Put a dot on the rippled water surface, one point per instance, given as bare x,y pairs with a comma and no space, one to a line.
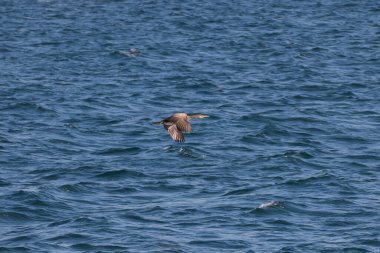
287,162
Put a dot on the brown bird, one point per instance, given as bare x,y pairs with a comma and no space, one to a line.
178,123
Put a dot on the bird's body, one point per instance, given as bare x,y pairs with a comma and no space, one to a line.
178,123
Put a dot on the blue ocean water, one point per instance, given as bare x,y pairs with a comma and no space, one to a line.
289,160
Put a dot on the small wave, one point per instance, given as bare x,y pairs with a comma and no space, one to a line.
222,244
270,129
29,106
293,155
98,247
309,180
69,236
14,216
167,187
59,223
15,249
120,174
61,141
74,188
124,190
271,204
4,183
83,246
119,151
4,140
301,154
131,53
240,191
5,50
139,218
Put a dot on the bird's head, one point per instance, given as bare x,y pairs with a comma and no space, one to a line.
199,116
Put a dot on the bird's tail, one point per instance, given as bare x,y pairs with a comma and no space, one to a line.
157,123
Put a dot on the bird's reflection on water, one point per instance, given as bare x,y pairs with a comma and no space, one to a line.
185,151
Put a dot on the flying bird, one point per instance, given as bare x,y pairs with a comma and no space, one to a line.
178,123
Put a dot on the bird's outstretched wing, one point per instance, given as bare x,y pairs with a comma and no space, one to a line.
175,133
183,125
